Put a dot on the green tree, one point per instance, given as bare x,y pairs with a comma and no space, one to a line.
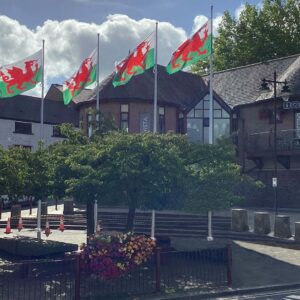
15,172
59,153
259,34
37,180
137,171
216,179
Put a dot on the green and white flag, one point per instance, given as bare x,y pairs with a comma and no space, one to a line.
21,76
137,62
85,76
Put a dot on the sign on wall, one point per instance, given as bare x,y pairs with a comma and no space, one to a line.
291,105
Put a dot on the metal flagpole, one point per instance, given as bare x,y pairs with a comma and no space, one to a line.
211,112
39,230
42,96
98,55
155,84
211,103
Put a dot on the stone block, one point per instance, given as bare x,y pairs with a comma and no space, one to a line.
297,232
282,226
239,220
68,206
262,224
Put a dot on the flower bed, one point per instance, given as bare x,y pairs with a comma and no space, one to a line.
111,256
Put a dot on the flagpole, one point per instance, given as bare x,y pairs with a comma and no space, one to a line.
98,56
42,95
155,84
211,103
211,113
39,230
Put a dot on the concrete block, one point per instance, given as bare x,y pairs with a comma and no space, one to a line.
282,226
239,220
262,224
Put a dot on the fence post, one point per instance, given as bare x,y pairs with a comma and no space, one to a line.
229,264
77,278
157,270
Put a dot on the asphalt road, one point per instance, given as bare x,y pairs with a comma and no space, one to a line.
279,295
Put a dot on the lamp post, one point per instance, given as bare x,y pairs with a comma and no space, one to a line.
285,96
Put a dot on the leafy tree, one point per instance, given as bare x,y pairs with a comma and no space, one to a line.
139,171
37,179
216,179
59,170
15,173
259,34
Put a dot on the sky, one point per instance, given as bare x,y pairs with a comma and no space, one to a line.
70,27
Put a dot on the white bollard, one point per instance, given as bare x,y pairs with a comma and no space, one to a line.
39,229
153,225
209,219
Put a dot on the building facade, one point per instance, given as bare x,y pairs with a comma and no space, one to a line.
253,126
20,121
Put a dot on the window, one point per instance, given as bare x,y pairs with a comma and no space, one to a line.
23,128
198,122
124,122
57,132
161,120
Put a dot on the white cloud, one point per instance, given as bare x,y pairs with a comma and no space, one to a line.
201,19
238,11
68,42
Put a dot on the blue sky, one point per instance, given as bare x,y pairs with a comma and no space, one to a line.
180,13
70,27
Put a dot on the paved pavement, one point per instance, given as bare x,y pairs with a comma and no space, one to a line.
68,236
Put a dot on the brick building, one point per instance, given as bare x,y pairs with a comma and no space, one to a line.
183,105
253,125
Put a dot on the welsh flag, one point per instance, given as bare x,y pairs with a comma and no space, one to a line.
137,62
21,76
198,47
85,76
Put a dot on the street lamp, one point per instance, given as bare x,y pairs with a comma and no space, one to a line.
285,93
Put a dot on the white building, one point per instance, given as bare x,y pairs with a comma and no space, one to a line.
20,121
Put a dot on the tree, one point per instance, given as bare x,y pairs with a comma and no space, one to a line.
15,166
258,34
59,170
216,178
139,171
38,175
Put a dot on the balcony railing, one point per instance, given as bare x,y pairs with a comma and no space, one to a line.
288,142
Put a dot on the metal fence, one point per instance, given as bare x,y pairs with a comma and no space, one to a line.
166,271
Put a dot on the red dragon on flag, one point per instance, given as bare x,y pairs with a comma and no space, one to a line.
198,47
21,76
85,76
137,62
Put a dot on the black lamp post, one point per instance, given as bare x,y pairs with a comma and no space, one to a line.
284,95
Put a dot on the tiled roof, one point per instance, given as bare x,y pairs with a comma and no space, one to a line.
180,89
242,85
55,93
27,108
